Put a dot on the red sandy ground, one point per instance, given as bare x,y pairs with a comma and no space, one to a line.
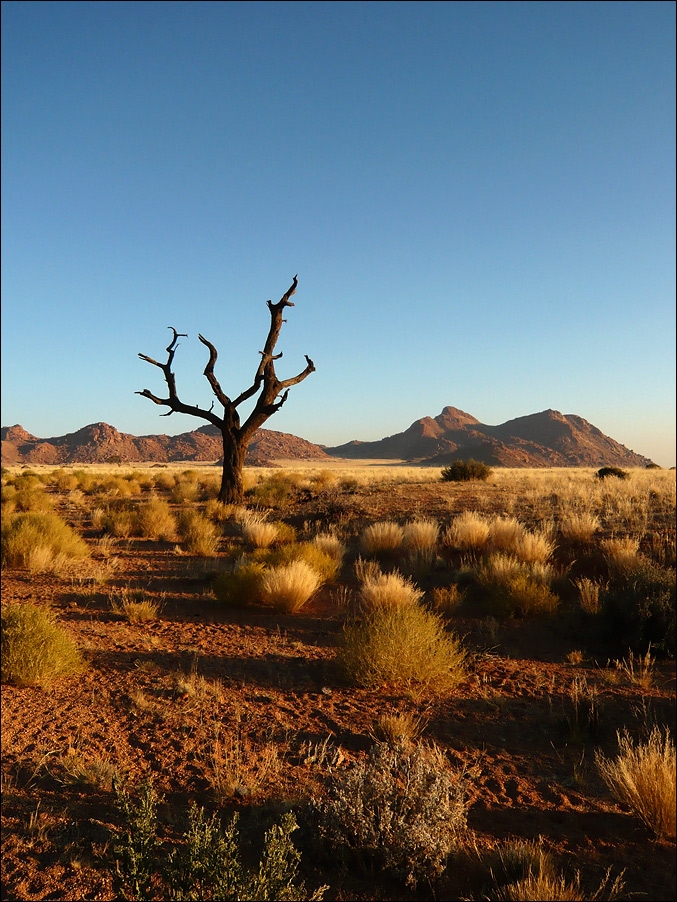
279,688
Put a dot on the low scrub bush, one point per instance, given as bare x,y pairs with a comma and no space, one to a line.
241,586
288,587
403,645
35,649
465,471
638,608
274,491
38,540
611,472
642,776
402,809
207,863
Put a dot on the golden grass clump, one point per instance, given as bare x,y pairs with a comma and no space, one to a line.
469,531
257,532
504,533
198,534
38,541
388,590
393,728
405,645
330,544
35,649
288,587
324,564
156,520
579,527
386,537
589,591
642,776
510,587
620,552
534,547
134,606
421,536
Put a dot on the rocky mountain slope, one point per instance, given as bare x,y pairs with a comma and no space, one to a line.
546,439
100,442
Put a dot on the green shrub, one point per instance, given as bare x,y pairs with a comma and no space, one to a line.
35,650
156,520
241,586
614,472
466,470
37,540
207,863
403,645
198,534
638,608
402,809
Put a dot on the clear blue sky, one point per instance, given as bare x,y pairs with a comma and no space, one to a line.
478,198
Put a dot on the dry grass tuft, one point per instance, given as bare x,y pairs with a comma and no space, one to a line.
386,538
421,536
579,527
642,776
589,591
388,590
288,587
469,532
35,649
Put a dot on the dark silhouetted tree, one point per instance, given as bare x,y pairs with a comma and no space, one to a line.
272,393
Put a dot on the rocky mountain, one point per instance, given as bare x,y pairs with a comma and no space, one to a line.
546,439
99,442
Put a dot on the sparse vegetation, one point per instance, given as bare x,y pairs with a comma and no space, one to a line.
562,610
35,649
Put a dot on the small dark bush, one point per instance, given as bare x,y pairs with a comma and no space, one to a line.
465,470
638,609
616,472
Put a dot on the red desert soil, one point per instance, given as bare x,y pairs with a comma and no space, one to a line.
156,696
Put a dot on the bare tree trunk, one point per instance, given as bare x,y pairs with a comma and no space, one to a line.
232,485
272,393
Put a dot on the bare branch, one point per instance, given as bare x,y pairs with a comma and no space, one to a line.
310,368
209,373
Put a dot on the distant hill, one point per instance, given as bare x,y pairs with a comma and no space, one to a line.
99,442
546,439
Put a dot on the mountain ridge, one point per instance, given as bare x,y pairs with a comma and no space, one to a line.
544,439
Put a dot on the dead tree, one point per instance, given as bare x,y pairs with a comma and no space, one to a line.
272,393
